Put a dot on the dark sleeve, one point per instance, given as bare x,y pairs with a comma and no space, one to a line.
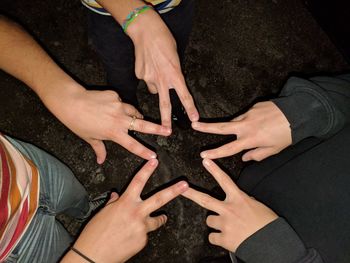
318,107
277,242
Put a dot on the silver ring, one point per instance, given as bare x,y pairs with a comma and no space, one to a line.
132,123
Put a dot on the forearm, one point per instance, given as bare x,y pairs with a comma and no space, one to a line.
144,23
23,58
338,91
318,107
120,9
275,243
71,257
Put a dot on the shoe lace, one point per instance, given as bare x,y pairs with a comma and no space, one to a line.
97,202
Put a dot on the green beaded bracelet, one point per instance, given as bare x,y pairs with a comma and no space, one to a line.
133,14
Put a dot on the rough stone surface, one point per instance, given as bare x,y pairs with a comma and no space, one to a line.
240,50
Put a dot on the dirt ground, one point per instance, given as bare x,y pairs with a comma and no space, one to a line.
240,51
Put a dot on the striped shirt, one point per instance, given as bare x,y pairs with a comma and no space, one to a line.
162,6
19,184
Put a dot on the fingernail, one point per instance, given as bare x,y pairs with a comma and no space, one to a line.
194,116
195,125
182,185
204,154
165,218
167,130
153,162
207,162
153,156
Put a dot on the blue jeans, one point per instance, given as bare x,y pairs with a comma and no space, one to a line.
46,240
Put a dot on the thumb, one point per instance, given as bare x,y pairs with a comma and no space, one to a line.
258,154
99,149
153,223
114,197
152,88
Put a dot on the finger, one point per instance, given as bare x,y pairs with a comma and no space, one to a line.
213,222
140,179
163,197
153,223
152,88
151,128
224,128
135,147
99,149
165,107
215,238
258,154
204,200
226,150
186,99
132,111
114,197
239,118
225,182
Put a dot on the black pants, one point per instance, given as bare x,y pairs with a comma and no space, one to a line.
309,185
117,50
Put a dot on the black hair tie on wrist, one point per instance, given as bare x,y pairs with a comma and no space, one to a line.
82,255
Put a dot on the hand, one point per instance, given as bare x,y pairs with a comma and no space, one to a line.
264,129
100,115
120,229
157,63
239,215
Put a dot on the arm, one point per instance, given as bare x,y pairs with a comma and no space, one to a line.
157,61
318,107
119,230
249,228
276,242
92,115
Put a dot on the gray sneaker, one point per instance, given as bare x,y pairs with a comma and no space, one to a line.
95,204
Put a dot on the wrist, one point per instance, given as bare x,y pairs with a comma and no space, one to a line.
60,97
120,9
59,90
93,252
133,15
144,26
271,243
71,256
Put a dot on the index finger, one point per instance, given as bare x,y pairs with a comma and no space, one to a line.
228,149
151,128
163,197
225,182
204,200
165,107
224,128
140,179
135,147
186,99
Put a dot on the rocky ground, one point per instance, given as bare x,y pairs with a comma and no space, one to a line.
240,51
